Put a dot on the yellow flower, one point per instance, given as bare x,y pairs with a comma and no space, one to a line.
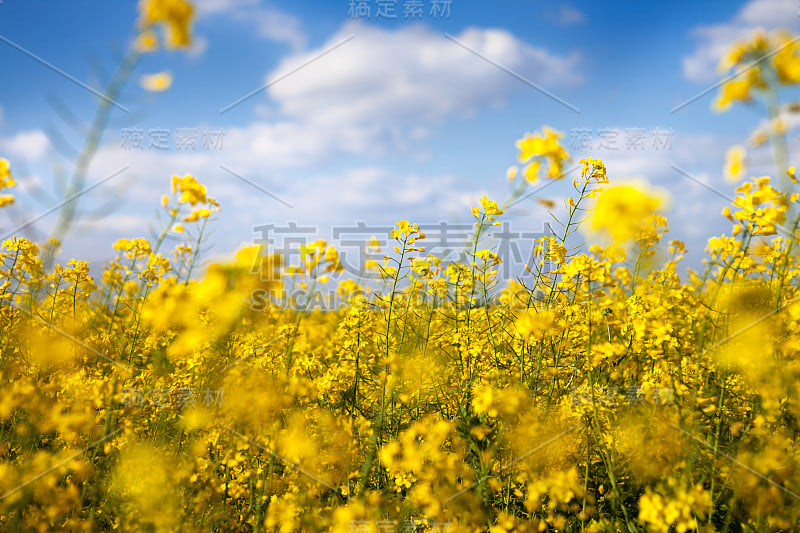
158,82
539,144
191,191
490,206
175,14
147,41
6,180
620,210
511,173
197,214
732,91
758,138
761,207
5,174
546,145
483,400
787,61
792,176
732,58
597,167
532,171
735,163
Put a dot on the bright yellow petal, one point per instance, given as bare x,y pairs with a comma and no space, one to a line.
158,82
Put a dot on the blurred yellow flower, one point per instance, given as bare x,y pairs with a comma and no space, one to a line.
621,209
732,91
158,82
175,14
6,180
735,163
532,172
197,214
511,173
147,41
539,144
787,60
546,145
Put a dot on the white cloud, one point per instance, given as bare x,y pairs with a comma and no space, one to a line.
714,40
130,224
319,141
386,91
375,194
213,7
277,26
410,77
198,47
30,146
768,13
270,23
317,195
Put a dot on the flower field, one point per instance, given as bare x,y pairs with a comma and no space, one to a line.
609,388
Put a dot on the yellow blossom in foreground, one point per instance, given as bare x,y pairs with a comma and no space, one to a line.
762,208
732,91
619,210
601,391
661,513
787,59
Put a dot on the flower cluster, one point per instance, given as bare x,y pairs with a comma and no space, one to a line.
174,15
762,209
6,181
621,210
537,149
436,395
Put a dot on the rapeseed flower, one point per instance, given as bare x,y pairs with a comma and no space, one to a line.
176,15
6,181
158,82
620,209
735,164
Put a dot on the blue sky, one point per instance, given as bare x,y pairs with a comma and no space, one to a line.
404,120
